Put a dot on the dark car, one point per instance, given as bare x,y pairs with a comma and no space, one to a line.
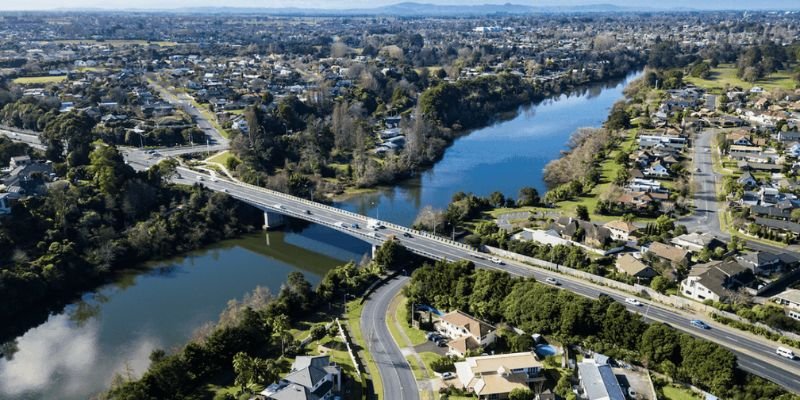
406,234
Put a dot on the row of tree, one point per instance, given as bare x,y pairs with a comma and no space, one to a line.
602,325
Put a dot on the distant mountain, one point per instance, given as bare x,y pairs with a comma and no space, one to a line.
408,9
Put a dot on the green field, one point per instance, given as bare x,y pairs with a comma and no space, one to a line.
678,393
725,75
40,80
354,309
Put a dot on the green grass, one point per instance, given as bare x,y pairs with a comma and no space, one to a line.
725,75
679,393
40,80
221,158
354,309
419,373
427,358
416,336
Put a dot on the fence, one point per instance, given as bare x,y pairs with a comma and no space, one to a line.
347,343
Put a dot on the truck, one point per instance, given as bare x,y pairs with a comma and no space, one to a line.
374,224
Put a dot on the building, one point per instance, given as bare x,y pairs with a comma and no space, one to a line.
697,241
311,378
465,332
630,265
5,203
621,230
714,280
789,298
494,377
761,262
675,255
598,381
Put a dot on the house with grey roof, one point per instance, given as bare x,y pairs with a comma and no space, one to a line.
311,378
598,381
715,280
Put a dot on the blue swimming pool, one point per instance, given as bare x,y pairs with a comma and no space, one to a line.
545,350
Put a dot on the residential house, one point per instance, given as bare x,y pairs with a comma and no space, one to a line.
715,280
495,376
598,381
657,170
5,203
466,332
311,378
675,255
761,262
697,241
789,298
632,266
587,232
621,230
747,180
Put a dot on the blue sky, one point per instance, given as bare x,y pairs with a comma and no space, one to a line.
161,4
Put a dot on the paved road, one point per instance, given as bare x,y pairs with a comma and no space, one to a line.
23,137
396,376
756,355
183,101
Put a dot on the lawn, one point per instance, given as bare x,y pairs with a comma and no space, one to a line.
40,80
679,393
354,309
415,335
221,158
725,75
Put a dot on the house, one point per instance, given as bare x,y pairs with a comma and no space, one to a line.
789,298
19,161
621,230
760,262
675,255
548,237
714,280
697,241
466,332
582,231
311,378
632,266
598,381
495,376
658,170
747,180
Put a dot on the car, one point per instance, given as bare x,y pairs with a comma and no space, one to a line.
355,226
199,178
784,352
308,212
441,343
496,261
214,179
552,281
406,234
280,206
699,324
448,375
697,170
633,302
225,190
376,235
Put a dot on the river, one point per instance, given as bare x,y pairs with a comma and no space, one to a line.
75,353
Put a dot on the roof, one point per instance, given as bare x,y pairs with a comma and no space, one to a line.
633,266
790,295
490,364
599,382
464,344
716,276
698,240
473,325
620,225
671,253
292,392
758,258
498,384
307,377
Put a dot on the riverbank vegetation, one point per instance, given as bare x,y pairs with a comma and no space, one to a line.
101,217
252,344
602,325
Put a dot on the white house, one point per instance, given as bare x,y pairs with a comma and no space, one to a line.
466,332
657,170
494,377
711,281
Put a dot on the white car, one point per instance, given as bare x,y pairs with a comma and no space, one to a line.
280,206
552,281
633,302
199,178
784,352
496,261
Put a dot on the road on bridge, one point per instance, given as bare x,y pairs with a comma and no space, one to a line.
755,354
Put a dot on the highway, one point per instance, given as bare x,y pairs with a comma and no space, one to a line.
396,376
755,354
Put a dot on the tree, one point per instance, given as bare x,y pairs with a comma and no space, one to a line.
389,254
497,199
581,212
528,196
280,326
520,394
69,133
109,169
659,343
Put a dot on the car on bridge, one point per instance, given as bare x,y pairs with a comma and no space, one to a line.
497,261
552,281
280,206
406,234
633,302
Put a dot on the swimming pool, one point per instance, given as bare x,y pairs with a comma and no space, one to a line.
545,350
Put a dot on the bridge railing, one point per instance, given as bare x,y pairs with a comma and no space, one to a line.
355,215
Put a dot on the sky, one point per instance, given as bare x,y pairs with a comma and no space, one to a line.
333,4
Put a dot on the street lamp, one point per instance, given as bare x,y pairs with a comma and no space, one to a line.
377,209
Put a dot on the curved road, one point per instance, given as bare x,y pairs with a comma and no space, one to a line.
396,376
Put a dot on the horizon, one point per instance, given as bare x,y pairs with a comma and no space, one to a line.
156,5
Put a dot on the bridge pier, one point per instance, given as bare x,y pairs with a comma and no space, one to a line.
374,250
273,220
